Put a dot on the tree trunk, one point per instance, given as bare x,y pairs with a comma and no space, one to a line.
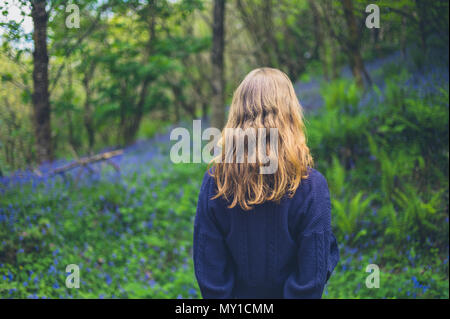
218,78
353,45
333,61
270,44
319,48
87,116
403,36
40,97
136,118
422,12
73,141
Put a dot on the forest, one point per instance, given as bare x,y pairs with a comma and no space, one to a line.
91,89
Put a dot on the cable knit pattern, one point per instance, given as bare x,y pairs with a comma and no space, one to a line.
276,250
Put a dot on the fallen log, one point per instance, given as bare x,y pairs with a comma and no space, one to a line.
89,160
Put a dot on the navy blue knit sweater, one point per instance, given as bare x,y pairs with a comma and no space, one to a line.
284,250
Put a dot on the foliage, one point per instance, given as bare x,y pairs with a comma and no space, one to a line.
137,67
131,233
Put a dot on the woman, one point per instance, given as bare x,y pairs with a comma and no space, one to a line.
264,235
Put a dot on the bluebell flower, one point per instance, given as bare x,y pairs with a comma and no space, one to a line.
108,279
416,282
192,292
51,269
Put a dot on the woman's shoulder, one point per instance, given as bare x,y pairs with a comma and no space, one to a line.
208,181
313,183
315,176
208,175
312,205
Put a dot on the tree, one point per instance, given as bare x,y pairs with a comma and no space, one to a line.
42,87
350,41
427,18
218,77
132,126
87,116
353,43
40,96
276,34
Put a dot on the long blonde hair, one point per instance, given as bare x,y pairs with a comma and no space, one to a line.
264,99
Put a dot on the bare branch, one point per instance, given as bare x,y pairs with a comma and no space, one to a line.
89,160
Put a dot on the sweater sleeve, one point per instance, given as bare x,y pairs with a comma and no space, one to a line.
212,260
317,250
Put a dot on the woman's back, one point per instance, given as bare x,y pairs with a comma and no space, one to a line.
284,250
